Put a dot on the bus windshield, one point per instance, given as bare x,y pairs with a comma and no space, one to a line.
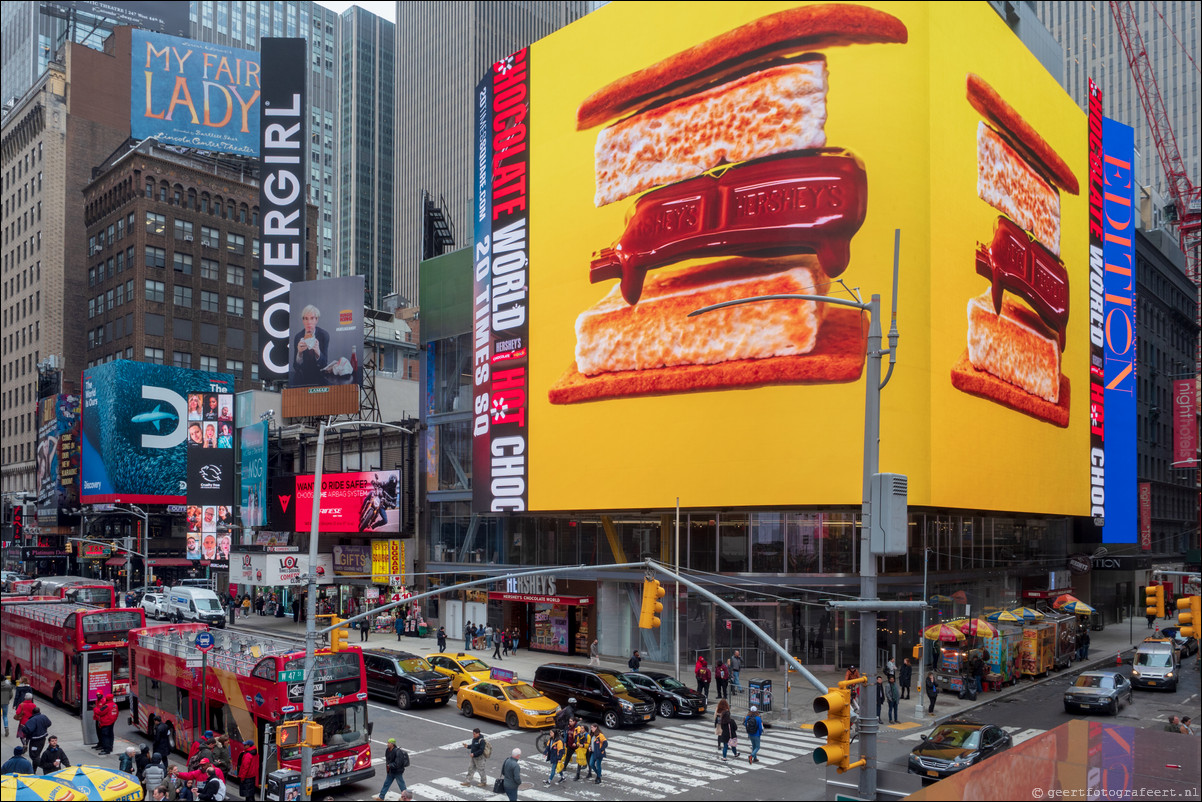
107,625
330,667
342,726
208,604
100,596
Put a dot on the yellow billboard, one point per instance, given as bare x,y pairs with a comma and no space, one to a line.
680,155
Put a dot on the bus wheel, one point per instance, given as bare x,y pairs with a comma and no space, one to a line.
57,696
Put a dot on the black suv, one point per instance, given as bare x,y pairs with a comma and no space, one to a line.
406,678
599,692
672,698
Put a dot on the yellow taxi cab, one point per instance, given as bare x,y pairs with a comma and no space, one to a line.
515,703
463,669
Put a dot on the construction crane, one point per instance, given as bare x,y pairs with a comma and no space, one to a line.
1184,193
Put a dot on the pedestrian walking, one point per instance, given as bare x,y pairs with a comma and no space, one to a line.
128,762
161,739
246,606
511,774
475,747
214,786
19,764
853,673
395,762
6,695
248,771
1174,725
578,743
515,640
892,697
635,661
905,677
260,604
594,653
932,689
978,673
702,672
155,773
1187,726
222,756
596,751
1151,620
722,675
880,695
231,608
37,729
364,628
467,635
736,665
890,667
53,757
726,730
1085,645
442,639
22,712
557,756
105,715
496,645
754,726
296,609
141,761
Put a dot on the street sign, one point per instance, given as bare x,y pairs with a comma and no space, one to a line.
297,675
298,691
194,662
204,641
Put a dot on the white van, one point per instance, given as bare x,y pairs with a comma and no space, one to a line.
193,604
1156,665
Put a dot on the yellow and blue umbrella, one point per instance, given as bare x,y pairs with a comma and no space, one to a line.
99,783
1076,608
1004,617
942,632
976,626
32,788
1027,614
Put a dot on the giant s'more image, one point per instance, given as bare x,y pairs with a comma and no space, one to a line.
739,195
1017,328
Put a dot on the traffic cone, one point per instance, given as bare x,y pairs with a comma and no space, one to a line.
1118,659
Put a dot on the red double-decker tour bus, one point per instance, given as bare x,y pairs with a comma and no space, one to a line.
63,647
75,588
251,683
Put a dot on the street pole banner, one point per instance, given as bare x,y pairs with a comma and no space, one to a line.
1185,423
254,475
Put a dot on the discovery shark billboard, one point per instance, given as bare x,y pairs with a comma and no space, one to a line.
135,424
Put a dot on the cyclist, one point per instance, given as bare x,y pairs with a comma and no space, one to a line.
564,715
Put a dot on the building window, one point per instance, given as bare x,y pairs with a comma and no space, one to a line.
208,363
121,228
181,359
234,366
234,306
210,237
210,269
235,275
183,263
154,356
156,257
210,301
120,294
91,276
183,230
155,223
154,290
254,310
183,296
236,243
91,308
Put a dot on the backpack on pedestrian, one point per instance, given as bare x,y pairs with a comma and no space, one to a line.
749,725
487,749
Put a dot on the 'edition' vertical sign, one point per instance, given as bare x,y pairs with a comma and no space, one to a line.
1097,322
282,145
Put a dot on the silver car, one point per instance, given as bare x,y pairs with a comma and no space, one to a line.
152,603
1098,690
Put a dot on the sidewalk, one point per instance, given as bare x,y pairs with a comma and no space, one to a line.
789,710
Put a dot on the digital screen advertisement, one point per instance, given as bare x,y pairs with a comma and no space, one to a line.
253,497
327,332
351,502
653,160
211,449
57,457
195,94
135,430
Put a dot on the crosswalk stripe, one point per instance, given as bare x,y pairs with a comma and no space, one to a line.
702,741
423,791
775,734
635,754
475,792
1018,735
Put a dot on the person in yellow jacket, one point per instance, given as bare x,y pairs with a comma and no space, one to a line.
580,742
557,756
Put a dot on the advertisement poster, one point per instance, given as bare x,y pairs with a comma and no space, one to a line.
210,532
100,678
1185,423
57,457
135,429
327,332
211,450
253,497
352,560
351,502
1145,516
652,160
195,94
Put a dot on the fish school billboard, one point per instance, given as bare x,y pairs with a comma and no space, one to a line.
653,159
135,430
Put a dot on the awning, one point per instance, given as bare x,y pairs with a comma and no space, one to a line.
115,561
170,562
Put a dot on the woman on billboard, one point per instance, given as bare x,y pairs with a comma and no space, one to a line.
311,347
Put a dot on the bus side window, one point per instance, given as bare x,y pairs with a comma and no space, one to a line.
185,705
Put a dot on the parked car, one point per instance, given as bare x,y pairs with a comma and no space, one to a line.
152,603
955,745
1187,646
463,669
405,678
600,693
1156,665
672,698
515,703
1099,690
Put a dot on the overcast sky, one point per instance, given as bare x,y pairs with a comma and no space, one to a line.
381,8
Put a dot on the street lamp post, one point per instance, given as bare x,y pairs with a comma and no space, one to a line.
311,601
139,513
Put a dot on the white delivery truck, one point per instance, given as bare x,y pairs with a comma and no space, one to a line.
193,604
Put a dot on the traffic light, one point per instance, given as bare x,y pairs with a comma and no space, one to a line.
338,636
836,728
653,591
289,734
1189,615
1155,600
313,734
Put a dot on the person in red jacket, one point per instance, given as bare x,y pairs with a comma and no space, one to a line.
105,714
23,711
248,770
201,775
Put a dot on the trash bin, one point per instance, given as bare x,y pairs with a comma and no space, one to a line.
283,784
759,693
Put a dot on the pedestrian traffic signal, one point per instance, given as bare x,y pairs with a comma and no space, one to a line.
653,591
1155,599
338,636
1189,615
289,734
836,728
